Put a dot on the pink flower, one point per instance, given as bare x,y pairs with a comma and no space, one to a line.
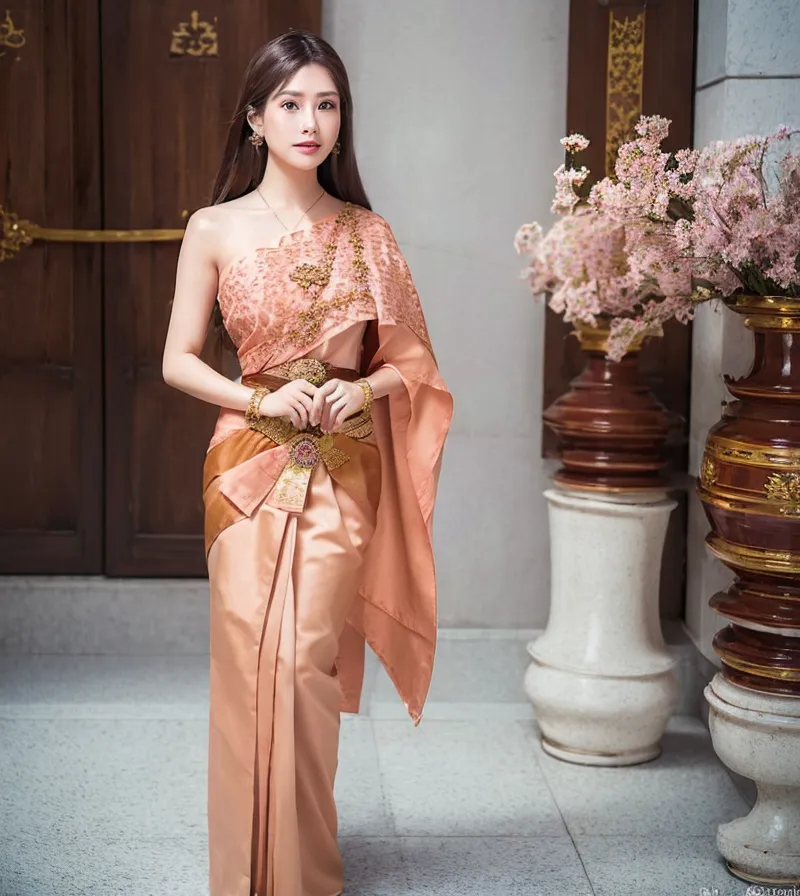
653,128
574,143
744,232
568,181
527,238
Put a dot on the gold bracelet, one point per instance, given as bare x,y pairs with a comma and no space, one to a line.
369,395
252,414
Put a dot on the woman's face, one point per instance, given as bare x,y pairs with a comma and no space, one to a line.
306,110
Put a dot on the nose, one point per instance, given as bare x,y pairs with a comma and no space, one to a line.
310,126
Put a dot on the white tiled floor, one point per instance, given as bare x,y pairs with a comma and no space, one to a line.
102,788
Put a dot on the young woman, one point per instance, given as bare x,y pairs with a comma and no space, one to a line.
321,476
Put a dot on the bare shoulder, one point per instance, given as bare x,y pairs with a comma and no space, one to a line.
206,222
216,217
210,228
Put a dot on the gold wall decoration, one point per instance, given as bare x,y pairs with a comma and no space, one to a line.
195,38
785,488
624,81
10,37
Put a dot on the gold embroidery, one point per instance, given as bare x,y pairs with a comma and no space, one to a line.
280,430
305,452
276,304
310,369
314,278
306,449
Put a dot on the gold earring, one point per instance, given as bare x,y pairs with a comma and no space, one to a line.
337,148
256,139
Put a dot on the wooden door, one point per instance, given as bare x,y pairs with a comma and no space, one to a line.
51,434
102,459
170,82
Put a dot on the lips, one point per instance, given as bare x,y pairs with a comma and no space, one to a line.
310,145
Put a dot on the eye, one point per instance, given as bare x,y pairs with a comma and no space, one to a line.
328,103
288,103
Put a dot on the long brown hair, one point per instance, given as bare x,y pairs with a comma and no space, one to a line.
243,165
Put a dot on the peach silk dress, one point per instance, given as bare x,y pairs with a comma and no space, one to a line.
316,544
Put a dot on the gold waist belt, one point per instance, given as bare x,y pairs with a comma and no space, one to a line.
306,447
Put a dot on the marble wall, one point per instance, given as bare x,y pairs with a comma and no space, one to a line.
459,108
748,81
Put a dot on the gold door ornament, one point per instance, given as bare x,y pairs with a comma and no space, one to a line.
11,37
624,81
16,233
195,38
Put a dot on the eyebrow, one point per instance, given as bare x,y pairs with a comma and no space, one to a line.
300,93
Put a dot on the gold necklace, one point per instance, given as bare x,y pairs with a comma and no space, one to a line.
263,198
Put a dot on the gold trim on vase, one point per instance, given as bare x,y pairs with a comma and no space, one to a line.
595,339
736,452
767,322
778,495
753,559
767,312
708,471
752,591
596,488
784,489
738,502
771,672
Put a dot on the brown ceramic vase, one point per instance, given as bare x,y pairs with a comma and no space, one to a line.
750,489
611,428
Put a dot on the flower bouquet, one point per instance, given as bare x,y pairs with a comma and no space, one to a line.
729,210
601,270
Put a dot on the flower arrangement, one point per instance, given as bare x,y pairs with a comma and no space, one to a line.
601,269
668,231
731,209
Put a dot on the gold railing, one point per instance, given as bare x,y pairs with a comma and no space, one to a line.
16,233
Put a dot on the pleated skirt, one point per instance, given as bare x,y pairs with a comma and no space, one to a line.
282,585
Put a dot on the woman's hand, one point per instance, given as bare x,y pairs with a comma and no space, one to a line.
294,400
334,402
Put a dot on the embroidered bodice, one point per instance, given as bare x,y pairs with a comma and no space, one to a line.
304,296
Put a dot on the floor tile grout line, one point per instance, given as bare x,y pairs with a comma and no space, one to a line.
385,801
436,835
530,733
387,808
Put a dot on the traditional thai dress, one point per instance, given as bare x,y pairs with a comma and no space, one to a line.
316,544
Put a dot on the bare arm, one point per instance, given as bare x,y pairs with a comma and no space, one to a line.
196,286
195,292
385,381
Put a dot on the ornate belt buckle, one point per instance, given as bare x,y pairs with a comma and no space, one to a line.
305,453
310,369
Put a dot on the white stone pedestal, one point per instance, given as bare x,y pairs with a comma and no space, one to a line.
602,682
758,736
